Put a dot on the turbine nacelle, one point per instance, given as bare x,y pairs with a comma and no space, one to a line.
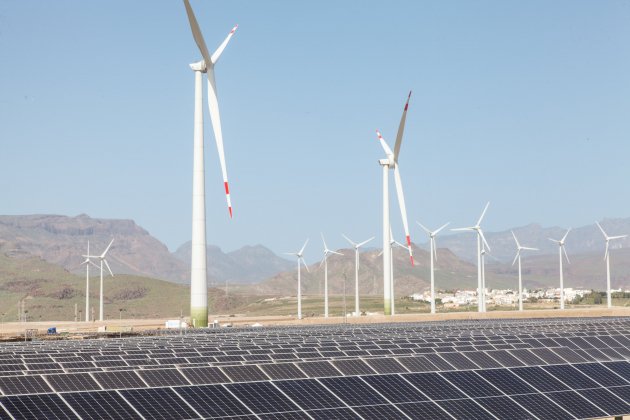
199,66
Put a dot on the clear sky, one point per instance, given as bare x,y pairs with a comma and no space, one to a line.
522,103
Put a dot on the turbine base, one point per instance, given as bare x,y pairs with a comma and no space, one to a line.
199,317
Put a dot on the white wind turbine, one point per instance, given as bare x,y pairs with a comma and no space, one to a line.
391,162
607,258
87,263
198,275
325,263
432,257
520,248
356,271
102,260
480,239
300,261
560,250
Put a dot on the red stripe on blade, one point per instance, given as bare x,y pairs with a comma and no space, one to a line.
411,256
408,240
230,209
227,189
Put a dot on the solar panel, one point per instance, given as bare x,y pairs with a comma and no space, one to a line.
335,413
388,365
547,356
353,367
119,379
571,376
417,364
262,397
575,404
622,392
439,362
212,401
163,377
11,385
465,409
606,400
542,407
506,381
395,388
72,382
380,412
504,408
353,391
205,375
158,403
282,371
244,373
539,379
38,406
424,410
600,374
434,386
318,369
620,368
309,394
569,355
505,358
471,383
100,405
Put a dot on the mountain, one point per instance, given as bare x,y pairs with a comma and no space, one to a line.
581,240
249,264
62,240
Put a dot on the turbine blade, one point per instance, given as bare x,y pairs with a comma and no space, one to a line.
515,240
324,241
380,254
483,238
335,252
386,148
617,237
349,240
304,263
107,249
403,209
434,248
219,51
463,229
323,260
401,129
424,228
215,117
364,242
303,247
483,214
516,257
565,235
530,249
565,254
194,26
554,240
440,228
600,228
95,265
607,247
107,265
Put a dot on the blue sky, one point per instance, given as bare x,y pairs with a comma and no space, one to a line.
524,104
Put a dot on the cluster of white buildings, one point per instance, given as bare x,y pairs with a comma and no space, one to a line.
502,297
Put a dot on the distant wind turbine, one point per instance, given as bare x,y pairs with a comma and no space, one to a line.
356,246
198,269
391,162
477,228
432,257
87,263
520,248
102,260
560,250
325,263
300,260
607,258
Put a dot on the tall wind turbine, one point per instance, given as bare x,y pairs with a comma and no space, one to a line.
607,258
87,263
391,162
356,271
198,279
327,252
477,228
560,250
300,261
102,260
432,257
520,248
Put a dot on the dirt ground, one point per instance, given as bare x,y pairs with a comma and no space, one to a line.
9,329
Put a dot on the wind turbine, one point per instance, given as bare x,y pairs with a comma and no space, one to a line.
607,258
356,270
392,243
325,263
560,250
520,248
300,260
198,279
87,263
432,257
391,162
102,259
480,239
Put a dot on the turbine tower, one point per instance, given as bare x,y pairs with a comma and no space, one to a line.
102,259
391,162
325,263
607,258
520,248
87,263
356,271
432,257
477,228
300,260
560,250
198,274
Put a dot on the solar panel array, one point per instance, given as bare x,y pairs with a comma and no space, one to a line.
516,369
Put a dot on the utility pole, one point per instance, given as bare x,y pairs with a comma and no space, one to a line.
75,312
